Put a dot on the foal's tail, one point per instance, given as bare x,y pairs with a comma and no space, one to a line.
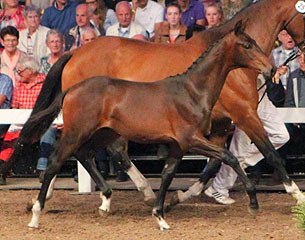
34,129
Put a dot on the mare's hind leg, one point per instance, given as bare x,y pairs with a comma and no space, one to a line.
169,170
205,147
119,151
63,149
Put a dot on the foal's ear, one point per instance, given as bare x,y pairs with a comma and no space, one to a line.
239,27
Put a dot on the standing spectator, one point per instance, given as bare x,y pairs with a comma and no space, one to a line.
281,53
192,13
55,43
32,40
231,7
295,94
61,15
24,97
172,30
10,55
147,14
213,15
102,17
125,27
11,15
72,38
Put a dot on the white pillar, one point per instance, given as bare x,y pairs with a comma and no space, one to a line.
85,183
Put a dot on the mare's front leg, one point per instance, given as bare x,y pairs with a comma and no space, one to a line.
272,124
118,150
169,170
205,147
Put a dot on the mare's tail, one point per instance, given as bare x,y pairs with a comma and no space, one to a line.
33,129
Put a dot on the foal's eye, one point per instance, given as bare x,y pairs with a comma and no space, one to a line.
247,45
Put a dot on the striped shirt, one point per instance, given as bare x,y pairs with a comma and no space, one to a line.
280,55
25,94
6,89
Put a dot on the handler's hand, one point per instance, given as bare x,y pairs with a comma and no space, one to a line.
280,71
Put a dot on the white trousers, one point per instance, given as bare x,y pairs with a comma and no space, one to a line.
245,151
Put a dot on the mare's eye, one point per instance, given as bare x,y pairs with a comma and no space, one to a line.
247,45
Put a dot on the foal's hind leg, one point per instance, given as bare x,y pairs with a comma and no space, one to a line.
85,157
205,147
62,151
119,151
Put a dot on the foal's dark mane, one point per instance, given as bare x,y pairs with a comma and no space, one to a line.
202,56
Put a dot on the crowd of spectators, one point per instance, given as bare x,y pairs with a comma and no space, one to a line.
35,34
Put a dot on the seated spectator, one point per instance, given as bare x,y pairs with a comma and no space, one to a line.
125,27
12,15
148,13
208,2
213,15
32,40
231,7
88,35
10,56
192,13
72,38
6,92
101,16
24,97
55,43
61,15
42,4
172,30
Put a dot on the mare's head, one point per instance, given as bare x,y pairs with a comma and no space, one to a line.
246,52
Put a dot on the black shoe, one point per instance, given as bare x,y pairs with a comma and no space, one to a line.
121,176
2,179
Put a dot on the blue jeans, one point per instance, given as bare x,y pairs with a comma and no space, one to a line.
46,147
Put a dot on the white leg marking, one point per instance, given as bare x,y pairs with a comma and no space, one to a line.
141,183
105,207
50,189
194,190
36,211
295,192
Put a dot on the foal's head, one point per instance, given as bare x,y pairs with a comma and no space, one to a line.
246,53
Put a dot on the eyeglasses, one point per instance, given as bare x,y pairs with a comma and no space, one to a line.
20,70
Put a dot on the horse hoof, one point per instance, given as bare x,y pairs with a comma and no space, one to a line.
253,210
103,213
32,226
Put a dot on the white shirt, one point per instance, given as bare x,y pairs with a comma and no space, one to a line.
132,30
150,15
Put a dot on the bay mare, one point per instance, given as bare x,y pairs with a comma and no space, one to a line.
179,114
133,60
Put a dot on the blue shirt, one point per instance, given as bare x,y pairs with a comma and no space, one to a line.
62,20
6,89
194,12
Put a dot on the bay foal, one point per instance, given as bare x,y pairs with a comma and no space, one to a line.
176,111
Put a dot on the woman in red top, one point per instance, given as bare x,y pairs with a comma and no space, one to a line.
12,15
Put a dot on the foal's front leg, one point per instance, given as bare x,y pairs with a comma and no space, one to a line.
205,147
169,170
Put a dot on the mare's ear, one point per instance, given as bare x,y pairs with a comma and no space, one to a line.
239,27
